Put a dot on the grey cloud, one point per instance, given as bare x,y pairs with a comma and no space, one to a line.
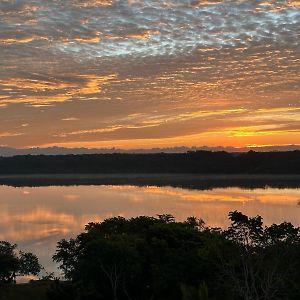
176,25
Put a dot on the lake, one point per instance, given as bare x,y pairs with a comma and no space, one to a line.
37,217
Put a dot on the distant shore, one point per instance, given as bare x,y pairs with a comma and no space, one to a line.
197,162
192,181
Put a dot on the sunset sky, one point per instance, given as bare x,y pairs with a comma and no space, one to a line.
143,74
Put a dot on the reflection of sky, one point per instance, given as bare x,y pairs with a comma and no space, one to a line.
36,218
132,73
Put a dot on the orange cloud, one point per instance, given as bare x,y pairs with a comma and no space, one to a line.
21,40
44,93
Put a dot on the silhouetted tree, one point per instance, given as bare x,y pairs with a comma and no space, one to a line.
159,258
15,263
262,258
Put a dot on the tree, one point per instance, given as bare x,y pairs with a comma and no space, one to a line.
139,258
15,263
262,259
159,258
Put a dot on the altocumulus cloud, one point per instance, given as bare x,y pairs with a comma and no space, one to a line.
103,61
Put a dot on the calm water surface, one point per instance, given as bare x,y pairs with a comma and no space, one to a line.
36,218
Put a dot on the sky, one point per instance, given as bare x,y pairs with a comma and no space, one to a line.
143,74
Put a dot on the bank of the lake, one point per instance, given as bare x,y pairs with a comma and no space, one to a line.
184,180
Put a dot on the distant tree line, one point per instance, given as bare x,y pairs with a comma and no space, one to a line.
198,162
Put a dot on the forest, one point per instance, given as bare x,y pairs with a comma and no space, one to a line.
197,162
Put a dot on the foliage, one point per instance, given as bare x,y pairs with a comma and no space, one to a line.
264,260
62,291
140,258
193,293
16,263
159,258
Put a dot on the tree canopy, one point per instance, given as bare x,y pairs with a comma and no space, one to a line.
197,162
15,263
160,258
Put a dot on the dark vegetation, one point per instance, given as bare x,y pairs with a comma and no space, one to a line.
15,263
35,290
159,258
199,162
187,181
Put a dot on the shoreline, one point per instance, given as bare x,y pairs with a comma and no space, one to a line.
190,181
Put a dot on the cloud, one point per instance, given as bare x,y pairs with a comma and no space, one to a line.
9,134
179,26
120,68
40,92
71,119
106,130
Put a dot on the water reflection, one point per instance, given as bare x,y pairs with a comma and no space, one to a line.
36,218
